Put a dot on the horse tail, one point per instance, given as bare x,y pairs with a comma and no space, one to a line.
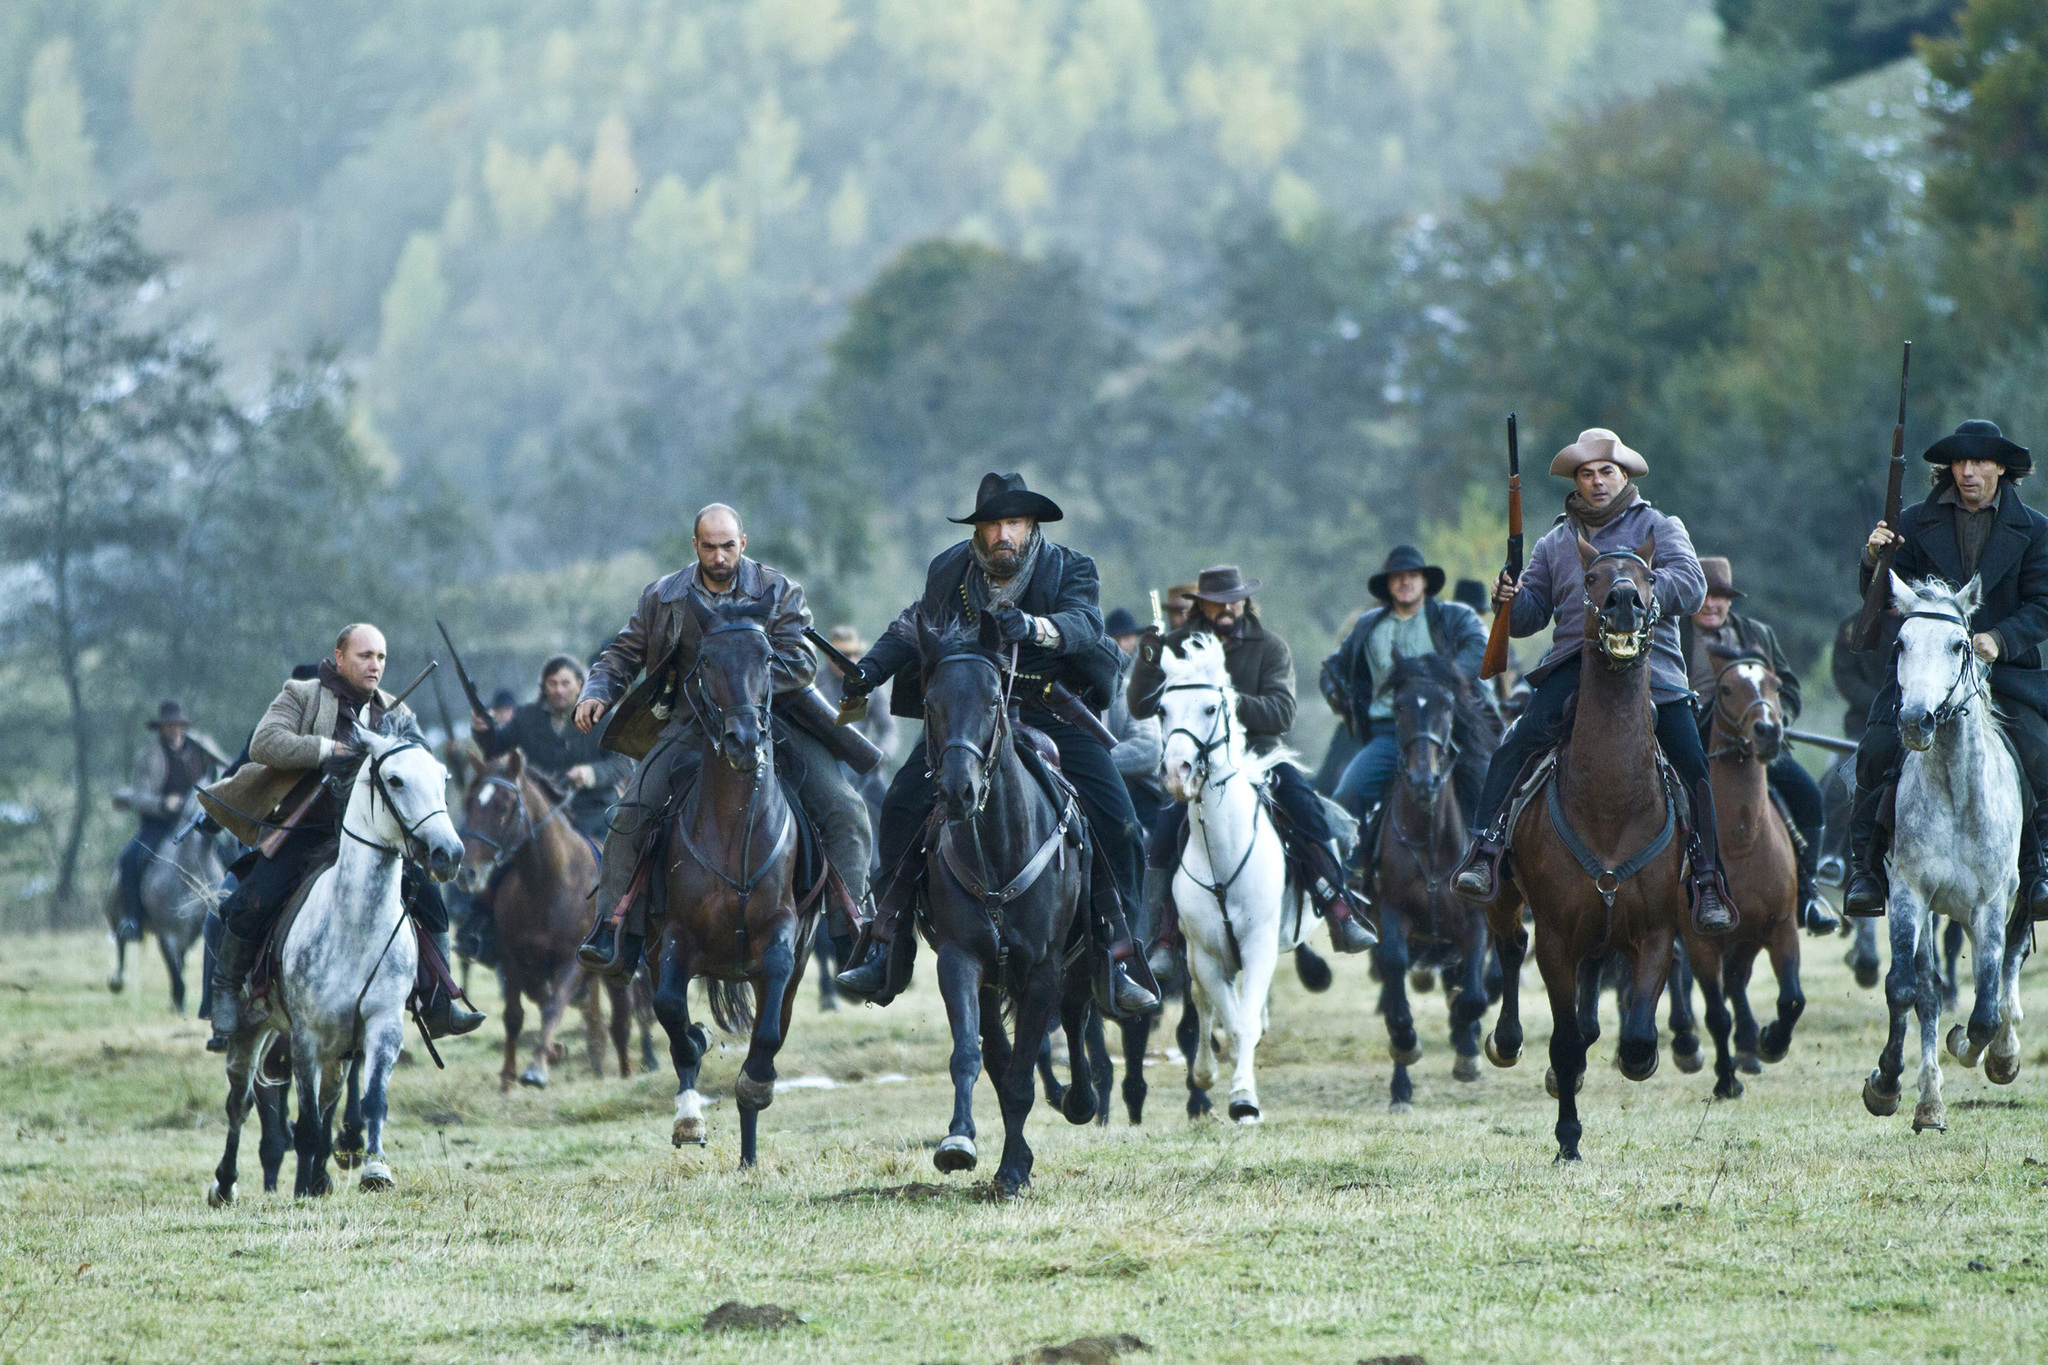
732,1005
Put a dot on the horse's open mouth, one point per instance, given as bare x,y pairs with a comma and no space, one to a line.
1621,646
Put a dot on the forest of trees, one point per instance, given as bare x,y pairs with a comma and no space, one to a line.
460,309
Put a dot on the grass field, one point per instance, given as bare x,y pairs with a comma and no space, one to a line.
561,1225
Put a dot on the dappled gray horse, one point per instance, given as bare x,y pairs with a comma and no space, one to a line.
181,883
347,962
1955,852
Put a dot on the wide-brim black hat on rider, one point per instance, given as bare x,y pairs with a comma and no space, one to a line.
1120,622
1405,559
1470,592
1002,496
1980,440
169,713
1224,583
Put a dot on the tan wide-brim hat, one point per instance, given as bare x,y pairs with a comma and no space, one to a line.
1720,577
1598,443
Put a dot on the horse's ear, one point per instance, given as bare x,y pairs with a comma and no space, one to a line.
1903,595
1971,597
706,618
515,764
927,641
1647,551
1587,554
370,741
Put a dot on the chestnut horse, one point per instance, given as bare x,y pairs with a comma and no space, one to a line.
1607,796
516,830
1746,733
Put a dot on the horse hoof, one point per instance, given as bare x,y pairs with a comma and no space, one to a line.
1930,1114
1499,1058
218,1197
1565,1154
1550,1084
2001,1070
348,1158
376,1178
1466,1068
753,1094
1877,1098
687,1133
1773,1050
1422,981
1244,1110
1867,976
1405,1056
1688,1062
1199,1105
534,1077
1959,1045
1009,1188
956,1153
1748,1065
1077,1106
115,985
1400,1107
1730,1089
1646,1072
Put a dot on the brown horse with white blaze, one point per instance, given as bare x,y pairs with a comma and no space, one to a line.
516,831
1606,804
1747,732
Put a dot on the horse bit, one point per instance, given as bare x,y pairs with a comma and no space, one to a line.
1739,743
1641,634
1951,706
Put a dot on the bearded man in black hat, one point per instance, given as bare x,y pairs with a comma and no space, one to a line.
1261,670
1973,525
1045,599
1410,621
166,770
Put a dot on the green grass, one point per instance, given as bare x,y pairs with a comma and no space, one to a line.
561,1225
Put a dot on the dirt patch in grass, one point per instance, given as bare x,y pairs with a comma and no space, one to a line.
734,1316
1084,1351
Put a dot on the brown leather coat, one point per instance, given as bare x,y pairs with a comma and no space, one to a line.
660,639
1261,669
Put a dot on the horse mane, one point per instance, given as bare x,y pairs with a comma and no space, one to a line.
1470,725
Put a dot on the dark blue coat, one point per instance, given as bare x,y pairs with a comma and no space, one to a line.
1454,632
1064,589
2014,572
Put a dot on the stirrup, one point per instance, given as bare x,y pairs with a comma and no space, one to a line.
1707,892
1478,875
1866,895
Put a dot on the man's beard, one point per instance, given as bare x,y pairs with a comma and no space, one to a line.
1221,626
1003,559
718,577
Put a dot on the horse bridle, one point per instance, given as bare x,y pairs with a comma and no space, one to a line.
1739,743
711,717
1446,743
1204,774
529,827
1205,747
1652,614
413,847
1006,681
1952,705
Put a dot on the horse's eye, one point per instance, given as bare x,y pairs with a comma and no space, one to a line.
397,781
1956,648
1726,690
1210,709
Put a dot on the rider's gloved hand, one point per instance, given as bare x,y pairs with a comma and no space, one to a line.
865,678
1150,644
1013,625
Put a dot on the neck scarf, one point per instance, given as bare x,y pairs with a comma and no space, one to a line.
984,590
354,704
1592,518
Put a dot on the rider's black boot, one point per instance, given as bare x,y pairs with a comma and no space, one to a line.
1478,877
1868,842
230,969
1814,912
445,1016
1366,857
1162,925
1713,908
2033,878
869,977
1342,908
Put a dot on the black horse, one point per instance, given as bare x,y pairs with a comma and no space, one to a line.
1006,872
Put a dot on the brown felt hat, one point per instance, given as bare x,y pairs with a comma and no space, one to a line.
1720,577
1598,443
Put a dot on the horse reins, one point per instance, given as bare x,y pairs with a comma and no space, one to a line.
410,848
1203,749
1951,706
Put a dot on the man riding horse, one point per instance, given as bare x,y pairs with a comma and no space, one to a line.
166,771
1044,599
1359,682
570,759
282,804
1606,510
1261,671
1972,525
1710,638
655,725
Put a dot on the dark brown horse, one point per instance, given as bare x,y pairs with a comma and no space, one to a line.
516,830
731,911
1756,851
1445,737
1609,798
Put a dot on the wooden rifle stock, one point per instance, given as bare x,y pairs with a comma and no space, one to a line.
1496,660
1878,595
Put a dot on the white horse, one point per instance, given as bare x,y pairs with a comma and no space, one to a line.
1238,911
346,966
1955,851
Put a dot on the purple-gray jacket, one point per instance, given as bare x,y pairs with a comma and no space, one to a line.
1553,584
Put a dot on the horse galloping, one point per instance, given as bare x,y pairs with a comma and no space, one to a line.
1440,729
181,883
1746,732
1606,803
514,835
1955,849
345,966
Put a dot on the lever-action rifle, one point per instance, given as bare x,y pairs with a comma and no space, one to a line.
1878,595
1496,660
476,701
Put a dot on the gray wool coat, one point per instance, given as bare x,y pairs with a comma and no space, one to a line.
1553,588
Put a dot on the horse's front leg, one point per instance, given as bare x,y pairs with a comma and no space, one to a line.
1391,956
1736,966
1587,998
1101,1071
273,1110
310,1135
754,1087
1862,956
173,947
515,1024
1465,992
1987,966
1901,985
1254,984
1137,1034
554,1003
381,1042
1777,1036
1636,1047
1034,1011
1210,988
348,1153
240,1071
959,973
1076,1102
1706,969
686,1043
590,1000
1685,1029
2002,1059
1511,944
1930,1112
1561,981
619,999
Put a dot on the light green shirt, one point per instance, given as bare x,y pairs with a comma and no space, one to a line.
1393,638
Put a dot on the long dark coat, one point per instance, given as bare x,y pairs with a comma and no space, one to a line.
1454,632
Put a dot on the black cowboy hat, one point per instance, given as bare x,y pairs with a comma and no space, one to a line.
1120,622
1470,592
169,713
1406,559
1224,583
503,699
1980,440
1004,495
